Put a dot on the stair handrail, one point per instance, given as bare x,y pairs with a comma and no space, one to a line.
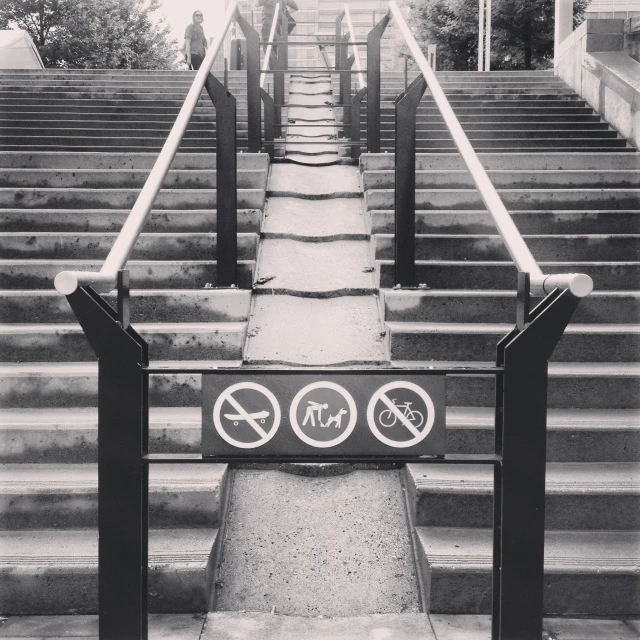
354,46
267,55
579,284
104,281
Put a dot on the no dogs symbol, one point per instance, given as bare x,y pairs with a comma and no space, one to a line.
323,414
246,415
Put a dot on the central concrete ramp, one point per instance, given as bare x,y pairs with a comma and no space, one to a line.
311,545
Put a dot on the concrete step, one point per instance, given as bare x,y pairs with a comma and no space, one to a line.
510,120
312,183
314,220
64,496
427,135
613,385
30,198
555,161
151,246
579,221
573,435
145,274
491,100
475,341
596,247
465,274
117,178
123,161
621,307
54,571
428,124
317,270
167,341
341,331
481,143
71,435
12,123
511,179
64,220
579,495
586,572
513,199
171,305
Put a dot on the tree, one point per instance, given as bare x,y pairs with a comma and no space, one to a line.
522,32
94,34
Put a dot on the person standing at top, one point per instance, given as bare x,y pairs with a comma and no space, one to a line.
195,41
268,9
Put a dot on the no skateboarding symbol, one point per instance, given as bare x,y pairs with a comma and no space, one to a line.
323,414
400,414
246,415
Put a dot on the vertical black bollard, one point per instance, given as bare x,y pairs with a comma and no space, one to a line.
338,41
345,92
226,183
356,112
278,87
373,84
122,478
253,84
520,496
405,183
268,122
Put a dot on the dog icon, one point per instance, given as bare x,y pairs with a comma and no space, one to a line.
336,420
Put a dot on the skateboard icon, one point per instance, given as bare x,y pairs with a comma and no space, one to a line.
236,417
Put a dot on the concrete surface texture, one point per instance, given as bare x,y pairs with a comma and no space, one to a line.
266,626
317,546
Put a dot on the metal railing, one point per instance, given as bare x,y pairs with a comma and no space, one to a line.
104,281
579,284
354,47
269,51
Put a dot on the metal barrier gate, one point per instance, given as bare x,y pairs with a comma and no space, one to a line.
518,460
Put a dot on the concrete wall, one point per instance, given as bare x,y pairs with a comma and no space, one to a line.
632,37
594,61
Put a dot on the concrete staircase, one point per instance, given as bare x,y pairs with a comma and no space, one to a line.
500,111
107,110
578,212
77,147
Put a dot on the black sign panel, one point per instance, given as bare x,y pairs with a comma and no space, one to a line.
299,413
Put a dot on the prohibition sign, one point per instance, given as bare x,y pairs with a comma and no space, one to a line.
258,421
326,396
418,425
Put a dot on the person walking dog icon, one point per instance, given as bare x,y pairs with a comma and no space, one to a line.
314,410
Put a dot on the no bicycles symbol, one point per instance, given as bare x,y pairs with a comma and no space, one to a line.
400,414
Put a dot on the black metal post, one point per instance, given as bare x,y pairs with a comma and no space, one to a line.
405,183
122,478
284,35
278,82
338,40
252,63
268,122
373,84
520,492
345,65
356,112
345,93
226,183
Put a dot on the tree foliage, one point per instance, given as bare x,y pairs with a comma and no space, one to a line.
522,32
93,34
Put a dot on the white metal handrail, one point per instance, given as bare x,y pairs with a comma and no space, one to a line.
578,283
66,282
352,40
272,34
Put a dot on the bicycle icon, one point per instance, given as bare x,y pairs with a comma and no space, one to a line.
388,418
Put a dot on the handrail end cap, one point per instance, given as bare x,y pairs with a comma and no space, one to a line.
579,284
66,282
